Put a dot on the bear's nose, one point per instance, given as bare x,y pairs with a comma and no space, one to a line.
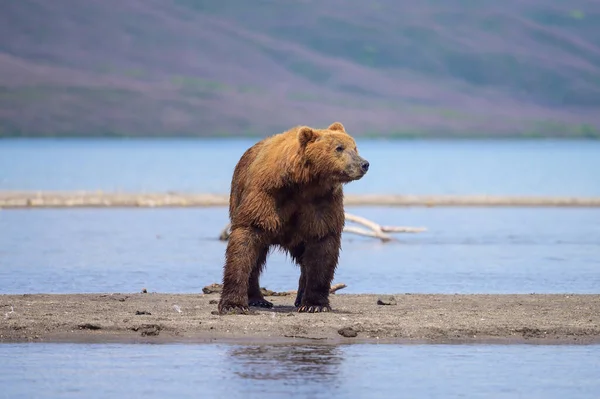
365,166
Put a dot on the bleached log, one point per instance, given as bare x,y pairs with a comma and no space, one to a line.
337,287
373,230
402,229
224,236
367,233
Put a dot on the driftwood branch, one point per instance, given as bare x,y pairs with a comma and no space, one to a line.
367,233
373,229
217,288
337,287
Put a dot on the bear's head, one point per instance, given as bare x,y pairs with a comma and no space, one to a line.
331,153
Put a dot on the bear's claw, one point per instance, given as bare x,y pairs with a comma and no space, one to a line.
314,309
234,309
261,303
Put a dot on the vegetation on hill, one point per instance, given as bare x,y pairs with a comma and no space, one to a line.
231,67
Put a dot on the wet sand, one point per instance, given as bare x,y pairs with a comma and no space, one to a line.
415,318
99,199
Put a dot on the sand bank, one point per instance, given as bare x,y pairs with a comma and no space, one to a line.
42,199
415,318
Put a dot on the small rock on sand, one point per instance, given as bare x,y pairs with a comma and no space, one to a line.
213,289
386,300
347,332
148,330
89,326
142,312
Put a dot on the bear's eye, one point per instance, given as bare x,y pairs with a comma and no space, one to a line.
339,148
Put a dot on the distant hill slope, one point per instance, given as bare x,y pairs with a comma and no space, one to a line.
208,67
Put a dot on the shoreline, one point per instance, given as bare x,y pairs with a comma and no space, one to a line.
553,319
100,199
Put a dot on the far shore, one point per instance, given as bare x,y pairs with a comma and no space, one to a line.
365,318
100,199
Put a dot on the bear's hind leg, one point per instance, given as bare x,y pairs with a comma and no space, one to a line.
319,262
255,297
296,253
301,287
242,255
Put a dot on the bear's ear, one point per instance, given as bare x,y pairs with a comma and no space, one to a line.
337,126
306,135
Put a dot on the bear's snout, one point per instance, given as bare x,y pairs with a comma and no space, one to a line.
364,166
357,168
361,165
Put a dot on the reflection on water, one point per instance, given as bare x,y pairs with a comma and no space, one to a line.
282,362
284,371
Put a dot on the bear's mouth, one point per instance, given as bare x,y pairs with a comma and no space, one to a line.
352,175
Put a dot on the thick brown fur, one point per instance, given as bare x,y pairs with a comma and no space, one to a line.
286,191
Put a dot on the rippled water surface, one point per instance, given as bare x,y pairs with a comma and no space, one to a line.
356,371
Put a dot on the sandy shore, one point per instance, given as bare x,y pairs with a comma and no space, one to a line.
41,199
415,318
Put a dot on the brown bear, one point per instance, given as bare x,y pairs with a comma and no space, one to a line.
286,191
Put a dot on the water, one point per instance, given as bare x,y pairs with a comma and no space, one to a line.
482,250
476,250
401,167
356,371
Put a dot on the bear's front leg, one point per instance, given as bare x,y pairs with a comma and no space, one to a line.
243,252
318,265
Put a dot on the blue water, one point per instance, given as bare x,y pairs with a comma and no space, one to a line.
356,371
464,250
401,167
478,250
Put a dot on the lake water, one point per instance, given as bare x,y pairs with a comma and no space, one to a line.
402,167
355,371
465,250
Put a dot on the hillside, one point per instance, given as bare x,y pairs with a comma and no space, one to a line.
382,67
